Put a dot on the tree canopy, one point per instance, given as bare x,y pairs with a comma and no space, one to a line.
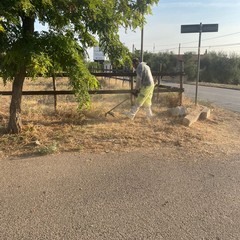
74,25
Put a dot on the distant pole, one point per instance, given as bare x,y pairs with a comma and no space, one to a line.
142,30
141,59
198,64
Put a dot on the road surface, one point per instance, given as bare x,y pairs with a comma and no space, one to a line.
157,195
226,98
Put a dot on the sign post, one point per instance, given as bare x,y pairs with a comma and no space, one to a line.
199,28
198,63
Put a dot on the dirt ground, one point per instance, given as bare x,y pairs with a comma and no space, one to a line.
46,131
92,131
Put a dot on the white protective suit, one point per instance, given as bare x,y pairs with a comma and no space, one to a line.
145,85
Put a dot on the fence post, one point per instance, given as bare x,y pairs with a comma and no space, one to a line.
132,90
181,80
159,81
54,89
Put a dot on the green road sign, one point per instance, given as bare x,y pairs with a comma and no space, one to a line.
196,28
199,28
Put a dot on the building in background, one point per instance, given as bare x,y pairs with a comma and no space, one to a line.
101,60
98,55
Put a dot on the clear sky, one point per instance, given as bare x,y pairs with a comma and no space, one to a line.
163,29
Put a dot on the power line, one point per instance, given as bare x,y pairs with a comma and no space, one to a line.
220,45
224,45
174,44
206,39
221,36
195,47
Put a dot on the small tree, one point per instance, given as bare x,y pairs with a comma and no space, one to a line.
190,65
73,25
168,61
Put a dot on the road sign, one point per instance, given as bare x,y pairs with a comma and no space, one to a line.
210,28
98,54
190,28
199,28
196,28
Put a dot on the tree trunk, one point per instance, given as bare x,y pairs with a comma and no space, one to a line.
15,122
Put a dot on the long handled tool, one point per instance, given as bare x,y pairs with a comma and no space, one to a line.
110,111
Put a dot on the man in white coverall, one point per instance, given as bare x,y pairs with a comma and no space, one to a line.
145,86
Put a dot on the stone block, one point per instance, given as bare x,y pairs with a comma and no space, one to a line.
205,113
192,117
178,111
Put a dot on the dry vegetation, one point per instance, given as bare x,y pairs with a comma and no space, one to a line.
46,131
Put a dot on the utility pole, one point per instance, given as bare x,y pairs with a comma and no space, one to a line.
179,50
141,58
142,30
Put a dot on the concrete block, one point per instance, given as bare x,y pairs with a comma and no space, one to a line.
205,113
178,111
192,117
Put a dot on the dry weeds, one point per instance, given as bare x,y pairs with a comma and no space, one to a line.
46,131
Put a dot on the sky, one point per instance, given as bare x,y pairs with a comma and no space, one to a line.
162,32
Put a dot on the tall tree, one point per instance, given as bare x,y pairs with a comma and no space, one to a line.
221,68
74,26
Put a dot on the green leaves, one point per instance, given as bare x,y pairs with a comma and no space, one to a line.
1,26
74,25
26,6
220,68
40,64
82,81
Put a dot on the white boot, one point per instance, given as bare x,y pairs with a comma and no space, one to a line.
148,112
132,113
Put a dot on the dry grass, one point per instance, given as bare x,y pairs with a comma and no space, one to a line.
46,131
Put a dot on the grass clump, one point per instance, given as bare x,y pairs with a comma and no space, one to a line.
47,149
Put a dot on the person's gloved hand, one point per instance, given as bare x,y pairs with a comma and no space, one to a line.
135,92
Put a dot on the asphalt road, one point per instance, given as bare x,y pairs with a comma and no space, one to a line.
140,195
226,98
